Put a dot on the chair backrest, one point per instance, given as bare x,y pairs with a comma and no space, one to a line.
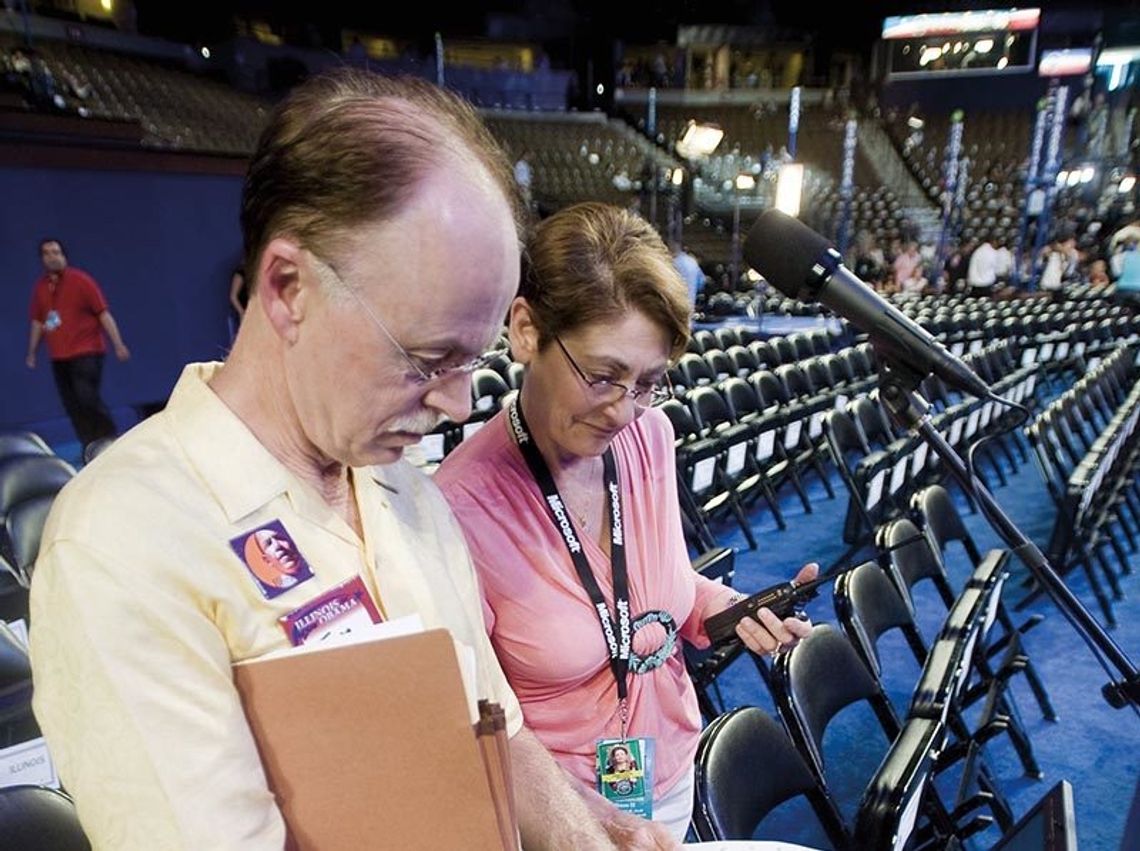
888,812
796,382
913,560
22,443
705,339
15,669
726,337
709,408
766,356
682,420
741,397
25,525
36,818
942,520
25,476
769,388
845,439
733,794
744,363
856,362
784,349
720,364
839,368
695,370
869,419
866,353
820,341
499,362
802,344
815,680
818,373
487,388
868,605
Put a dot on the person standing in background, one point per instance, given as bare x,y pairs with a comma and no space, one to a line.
981,274
69,312
239,298
690,271
239,292
524,177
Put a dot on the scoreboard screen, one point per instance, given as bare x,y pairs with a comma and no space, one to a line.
980,42
1071,62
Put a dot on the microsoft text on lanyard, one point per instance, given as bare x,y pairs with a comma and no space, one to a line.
618,636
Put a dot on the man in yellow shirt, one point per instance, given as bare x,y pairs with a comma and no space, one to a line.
381,236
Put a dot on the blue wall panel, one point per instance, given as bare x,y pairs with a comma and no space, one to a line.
161,245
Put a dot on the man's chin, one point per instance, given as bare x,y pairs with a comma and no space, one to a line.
378,456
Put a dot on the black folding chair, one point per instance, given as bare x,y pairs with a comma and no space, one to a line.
734,794
36,818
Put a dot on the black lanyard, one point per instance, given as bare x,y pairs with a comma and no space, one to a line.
618,635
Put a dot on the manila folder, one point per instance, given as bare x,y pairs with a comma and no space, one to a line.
370,746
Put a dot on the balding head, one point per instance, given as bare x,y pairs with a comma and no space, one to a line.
348,149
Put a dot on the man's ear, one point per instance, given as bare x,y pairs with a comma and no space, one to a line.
281,292
523,331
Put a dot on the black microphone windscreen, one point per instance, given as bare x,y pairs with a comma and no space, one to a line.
783,250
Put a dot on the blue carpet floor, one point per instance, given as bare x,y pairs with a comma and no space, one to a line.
1092,745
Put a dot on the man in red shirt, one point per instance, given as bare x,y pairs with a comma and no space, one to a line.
68,310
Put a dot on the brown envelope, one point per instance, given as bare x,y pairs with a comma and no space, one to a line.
371,746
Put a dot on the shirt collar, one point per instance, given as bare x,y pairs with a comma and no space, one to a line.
241,473
237,468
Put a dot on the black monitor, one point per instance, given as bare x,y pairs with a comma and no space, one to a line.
1050,825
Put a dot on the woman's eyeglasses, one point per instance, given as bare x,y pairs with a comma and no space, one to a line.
609,391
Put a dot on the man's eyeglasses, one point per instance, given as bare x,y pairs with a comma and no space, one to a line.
608,391
419,374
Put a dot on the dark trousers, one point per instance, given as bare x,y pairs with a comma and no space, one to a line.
78,381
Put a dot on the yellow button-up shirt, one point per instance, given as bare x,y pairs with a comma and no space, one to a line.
140,606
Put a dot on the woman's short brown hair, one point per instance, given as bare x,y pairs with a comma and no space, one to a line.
348,148
593,262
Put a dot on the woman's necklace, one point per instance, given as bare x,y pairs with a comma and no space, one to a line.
585,511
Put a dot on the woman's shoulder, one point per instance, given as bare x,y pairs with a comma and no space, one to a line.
654,425
648,437
478,457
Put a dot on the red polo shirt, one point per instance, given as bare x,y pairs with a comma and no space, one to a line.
79,301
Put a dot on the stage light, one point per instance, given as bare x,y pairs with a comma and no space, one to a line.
745,182
1126,185
789,188
699,140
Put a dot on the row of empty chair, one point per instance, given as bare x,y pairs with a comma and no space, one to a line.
927,731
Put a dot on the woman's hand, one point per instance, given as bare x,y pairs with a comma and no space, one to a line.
766,633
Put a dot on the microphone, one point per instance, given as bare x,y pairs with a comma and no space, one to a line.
802,265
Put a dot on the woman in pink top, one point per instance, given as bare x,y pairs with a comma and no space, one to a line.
569,502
